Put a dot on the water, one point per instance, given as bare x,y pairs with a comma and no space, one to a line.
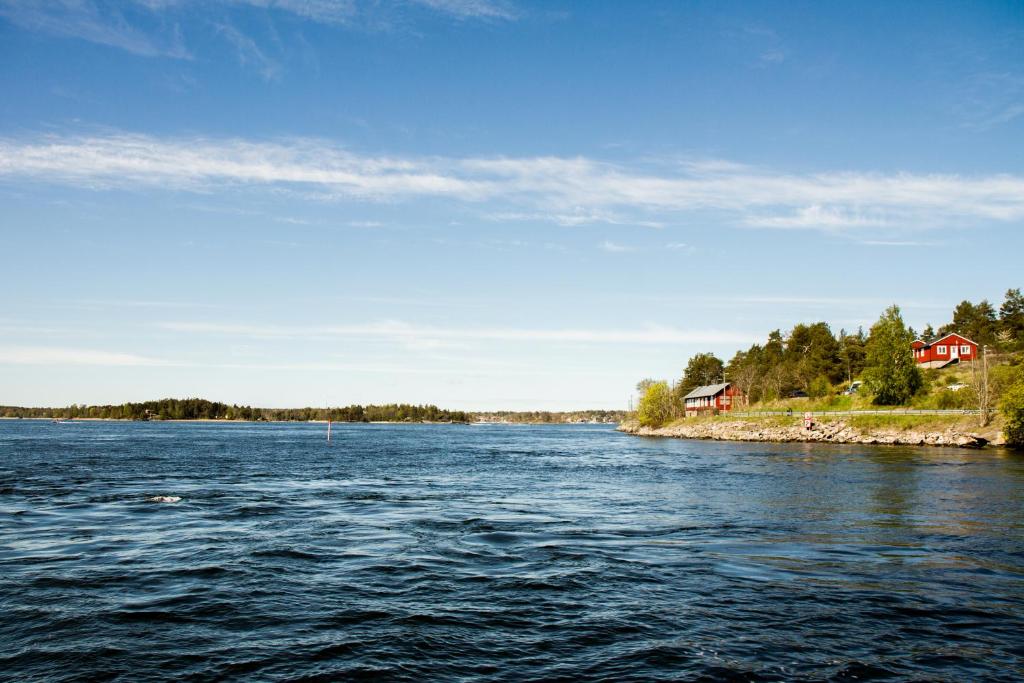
503,553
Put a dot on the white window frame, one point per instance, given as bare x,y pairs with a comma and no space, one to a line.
941,349
965,350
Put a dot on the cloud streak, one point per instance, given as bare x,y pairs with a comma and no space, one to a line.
406,333
42,355
589,190
112,26
148,28
614,247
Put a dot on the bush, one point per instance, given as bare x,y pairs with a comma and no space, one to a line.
1012,408
656,405
956,400
819,388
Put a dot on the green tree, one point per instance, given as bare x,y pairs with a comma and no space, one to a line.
644,384
813,351
656,405
977,322
1011,316
703,369
853,352
891,373
1012,408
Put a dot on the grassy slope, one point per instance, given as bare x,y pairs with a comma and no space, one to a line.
936,396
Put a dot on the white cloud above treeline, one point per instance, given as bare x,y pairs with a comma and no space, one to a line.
539,187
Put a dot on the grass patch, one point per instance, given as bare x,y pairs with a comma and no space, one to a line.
871,422
931,423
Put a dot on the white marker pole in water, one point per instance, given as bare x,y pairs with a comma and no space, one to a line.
328,429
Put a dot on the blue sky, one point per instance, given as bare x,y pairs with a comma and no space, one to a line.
485,204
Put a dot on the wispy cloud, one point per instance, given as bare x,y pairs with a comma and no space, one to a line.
899,243
131,303
816,216
578,216
767,41
319,11
249,53
990,99
41,355
322,170
102,23
150,28
615,248
829,303
472,9
420,334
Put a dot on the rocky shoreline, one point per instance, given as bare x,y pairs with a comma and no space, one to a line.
825,432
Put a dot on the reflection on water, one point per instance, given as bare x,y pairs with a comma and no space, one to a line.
511,553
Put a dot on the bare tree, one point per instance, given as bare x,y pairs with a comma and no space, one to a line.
982,388
745,377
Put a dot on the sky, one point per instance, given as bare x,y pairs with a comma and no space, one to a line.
485,204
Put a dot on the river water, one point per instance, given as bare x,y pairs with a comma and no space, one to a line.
455,552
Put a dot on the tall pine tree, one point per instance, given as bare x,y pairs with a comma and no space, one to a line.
892,373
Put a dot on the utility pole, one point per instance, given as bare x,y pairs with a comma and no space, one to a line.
981,387
985,417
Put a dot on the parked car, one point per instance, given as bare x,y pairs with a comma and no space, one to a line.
797,394
853,388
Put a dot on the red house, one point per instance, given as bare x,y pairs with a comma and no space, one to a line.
713,397
952,348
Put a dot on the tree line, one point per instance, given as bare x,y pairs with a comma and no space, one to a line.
201,409
550,417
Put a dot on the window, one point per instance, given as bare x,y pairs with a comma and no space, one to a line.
941,349
965,349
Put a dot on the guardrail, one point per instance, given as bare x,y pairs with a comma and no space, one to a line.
894,411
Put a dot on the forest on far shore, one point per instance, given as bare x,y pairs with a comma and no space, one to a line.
201,409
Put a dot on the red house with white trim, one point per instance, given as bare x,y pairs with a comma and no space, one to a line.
944,351
721,397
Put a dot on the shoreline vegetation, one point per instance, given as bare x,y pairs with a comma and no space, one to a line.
872,378
201,410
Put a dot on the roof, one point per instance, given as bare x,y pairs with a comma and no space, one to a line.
943,338
954,334
709,390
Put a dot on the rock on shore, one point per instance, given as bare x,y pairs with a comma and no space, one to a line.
827,432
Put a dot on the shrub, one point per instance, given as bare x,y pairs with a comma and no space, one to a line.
1012,408
819,387
956,400
656,405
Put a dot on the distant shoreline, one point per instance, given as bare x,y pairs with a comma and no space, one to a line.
218,420
63,420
